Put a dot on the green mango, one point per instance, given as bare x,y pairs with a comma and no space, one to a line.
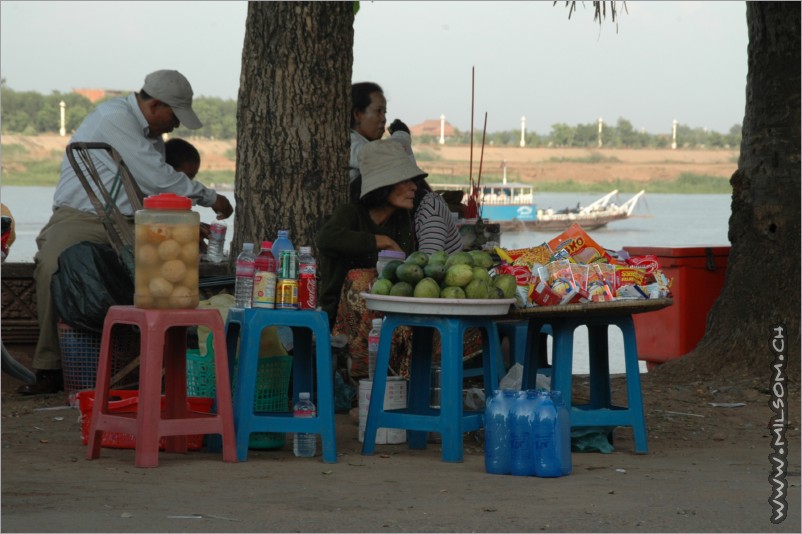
427,288
388,273
411,273
401,289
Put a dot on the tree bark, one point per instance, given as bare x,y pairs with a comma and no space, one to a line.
293,119
761,289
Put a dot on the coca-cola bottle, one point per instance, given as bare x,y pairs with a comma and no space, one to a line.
307,280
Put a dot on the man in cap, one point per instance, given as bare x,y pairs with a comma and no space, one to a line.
134,126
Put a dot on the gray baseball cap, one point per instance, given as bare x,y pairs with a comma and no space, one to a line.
172,88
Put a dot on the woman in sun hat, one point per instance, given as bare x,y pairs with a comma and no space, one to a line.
380,220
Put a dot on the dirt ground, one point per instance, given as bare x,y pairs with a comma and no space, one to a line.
527,164
706,471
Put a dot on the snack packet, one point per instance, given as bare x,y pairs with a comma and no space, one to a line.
581,247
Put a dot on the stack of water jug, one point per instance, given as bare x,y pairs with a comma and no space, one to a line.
527,433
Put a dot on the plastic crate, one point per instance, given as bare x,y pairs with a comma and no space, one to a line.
272,388
80,352
126,401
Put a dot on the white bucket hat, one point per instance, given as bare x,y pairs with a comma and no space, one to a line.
172,88
383,163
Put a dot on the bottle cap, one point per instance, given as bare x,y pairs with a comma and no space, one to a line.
377,323
267,245
306,250
167,201
247,246
283,233
303,395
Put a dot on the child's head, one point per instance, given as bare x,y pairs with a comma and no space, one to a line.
182,156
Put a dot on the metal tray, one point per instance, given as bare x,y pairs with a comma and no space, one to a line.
423,306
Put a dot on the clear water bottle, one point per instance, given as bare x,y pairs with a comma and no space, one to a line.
373,346
497,443
264,278
282,242
548,460
564,434
522,434
217,239
243,285
307,279
304,445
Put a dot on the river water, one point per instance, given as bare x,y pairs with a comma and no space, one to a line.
659,220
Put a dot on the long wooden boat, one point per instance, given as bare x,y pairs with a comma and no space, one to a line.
512,206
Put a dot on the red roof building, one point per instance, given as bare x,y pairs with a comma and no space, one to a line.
432,127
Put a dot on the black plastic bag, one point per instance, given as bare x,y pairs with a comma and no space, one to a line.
90,279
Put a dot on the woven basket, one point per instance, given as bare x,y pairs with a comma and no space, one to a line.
272,388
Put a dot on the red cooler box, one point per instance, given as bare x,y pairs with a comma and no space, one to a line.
698,273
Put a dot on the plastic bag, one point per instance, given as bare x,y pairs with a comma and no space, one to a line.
514,378
90,279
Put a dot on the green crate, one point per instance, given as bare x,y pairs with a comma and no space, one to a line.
272,388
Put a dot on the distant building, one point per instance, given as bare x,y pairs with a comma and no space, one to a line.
432,127
95,95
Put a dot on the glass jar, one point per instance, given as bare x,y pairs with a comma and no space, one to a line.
386,256
166,252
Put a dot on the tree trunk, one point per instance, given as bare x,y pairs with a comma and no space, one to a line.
292,114
762,280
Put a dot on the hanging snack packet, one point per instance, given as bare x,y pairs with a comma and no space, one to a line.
595,285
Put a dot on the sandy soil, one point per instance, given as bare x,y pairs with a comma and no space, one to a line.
527,164
706,470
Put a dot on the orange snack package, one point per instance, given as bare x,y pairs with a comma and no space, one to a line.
581,247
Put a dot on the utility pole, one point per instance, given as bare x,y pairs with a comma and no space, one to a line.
523,131
674,135
62,131
442,129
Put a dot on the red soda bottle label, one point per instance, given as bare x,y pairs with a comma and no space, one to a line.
307,291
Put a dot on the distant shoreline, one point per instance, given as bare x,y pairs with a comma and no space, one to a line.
35,160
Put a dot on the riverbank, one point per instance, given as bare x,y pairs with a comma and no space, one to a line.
35,160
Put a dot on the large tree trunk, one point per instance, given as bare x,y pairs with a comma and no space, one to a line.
762,281
292,113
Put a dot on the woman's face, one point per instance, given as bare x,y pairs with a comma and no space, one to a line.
403,195
370,123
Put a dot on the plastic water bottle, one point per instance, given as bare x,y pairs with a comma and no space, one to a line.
243,286
217,239
307,279
564,434
264,278
522,434
373,346
497,448
282,242
548,461
304,445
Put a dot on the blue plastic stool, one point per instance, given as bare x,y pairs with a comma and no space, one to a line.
599,411
308,368
450,420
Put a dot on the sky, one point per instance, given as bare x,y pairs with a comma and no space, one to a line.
684,61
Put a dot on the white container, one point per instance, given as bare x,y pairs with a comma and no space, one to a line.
395,398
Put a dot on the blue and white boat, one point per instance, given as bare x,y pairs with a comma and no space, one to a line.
512,206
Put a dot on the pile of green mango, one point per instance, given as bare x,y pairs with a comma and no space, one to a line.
439,275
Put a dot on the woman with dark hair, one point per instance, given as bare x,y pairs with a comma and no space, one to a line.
368,120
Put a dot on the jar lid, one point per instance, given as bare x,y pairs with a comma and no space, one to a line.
167,201
392,255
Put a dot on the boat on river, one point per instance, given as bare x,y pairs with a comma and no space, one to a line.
512,206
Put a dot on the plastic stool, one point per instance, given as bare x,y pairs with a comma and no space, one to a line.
599,411
450,420
163,335
245,326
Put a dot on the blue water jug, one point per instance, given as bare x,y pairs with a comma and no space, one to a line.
497,449
564,434
522,434
548,460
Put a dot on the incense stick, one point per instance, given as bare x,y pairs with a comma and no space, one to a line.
481,159
470,171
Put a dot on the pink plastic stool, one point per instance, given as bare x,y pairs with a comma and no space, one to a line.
163,345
